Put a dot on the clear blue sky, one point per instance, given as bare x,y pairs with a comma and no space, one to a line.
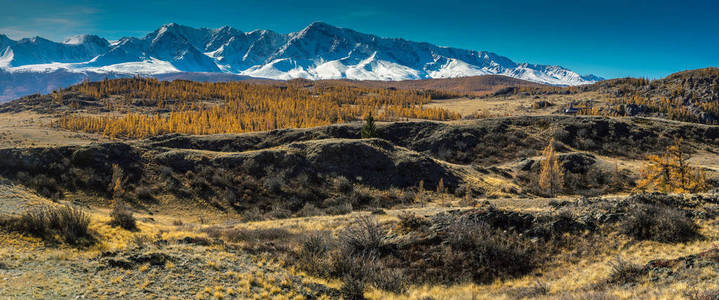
609,38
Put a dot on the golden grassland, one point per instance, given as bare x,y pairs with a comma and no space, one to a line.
269,278
235,107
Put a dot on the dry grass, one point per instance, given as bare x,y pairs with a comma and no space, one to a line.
574,278
29,129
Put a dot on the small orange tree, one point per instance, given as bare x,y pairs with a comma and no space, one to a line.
671,172
551,174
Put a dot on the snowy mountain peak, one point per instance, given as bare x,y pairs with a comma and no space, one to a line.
318,51
319,25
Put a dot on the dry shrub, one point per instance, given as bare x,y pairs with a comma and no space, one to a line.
343,185
658,223
310,210
462,251
122,216
624,272
703,295
364,236
352,288
342,207
144,193
312,256
353,257
474,251
252,214
411,222
67,222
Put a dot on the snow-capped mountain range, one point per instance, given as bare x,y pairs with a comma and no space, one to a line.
319,51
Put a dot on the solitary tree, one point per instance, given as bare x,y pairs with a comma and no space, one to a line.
369,130
117,185
671,172
551,174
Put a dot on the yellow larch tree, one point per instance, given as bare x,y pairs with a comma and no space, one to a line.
551,173
670,172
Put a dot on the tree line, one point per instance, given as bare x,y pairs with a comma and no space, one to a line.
233,107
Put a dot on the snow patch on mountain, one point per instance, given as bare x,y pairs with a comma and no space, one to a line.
151,66
6,56
457,68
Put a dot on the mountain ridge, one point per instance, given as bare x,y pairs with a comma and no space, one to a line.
319,51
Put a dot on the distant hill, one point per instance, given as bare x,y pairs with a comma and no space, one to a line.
687,96
472,86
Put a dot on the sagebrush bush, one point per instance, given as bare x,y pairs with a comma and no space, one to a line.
352,288
341,206
407,197
252,214
143,192
278,212
310,210
67,222
392,280
274,184
624,271
658,223
474,251
409,221
364,236
312,256
343,185
703,295
123,217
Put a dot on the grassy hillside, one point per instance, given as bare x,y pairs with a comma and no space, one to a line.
138,188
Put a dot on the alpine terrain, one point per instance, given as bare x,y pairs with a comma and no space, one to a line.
319,51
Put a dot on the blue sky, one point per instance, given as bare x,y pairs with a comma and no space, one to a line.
609,38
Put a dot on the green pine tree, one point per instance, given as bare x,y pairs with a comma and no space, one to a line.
369,130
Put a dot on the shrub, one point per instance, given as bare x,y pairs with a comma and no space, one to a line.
252,214
278,212
352,288
407,197
45,186
310,210
143,193
624,272
457,250
343,185
274,184
703,295
411,222
122,216
477,252
362,196
658,223
364,236
341,208
390,280
68,222
312,256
